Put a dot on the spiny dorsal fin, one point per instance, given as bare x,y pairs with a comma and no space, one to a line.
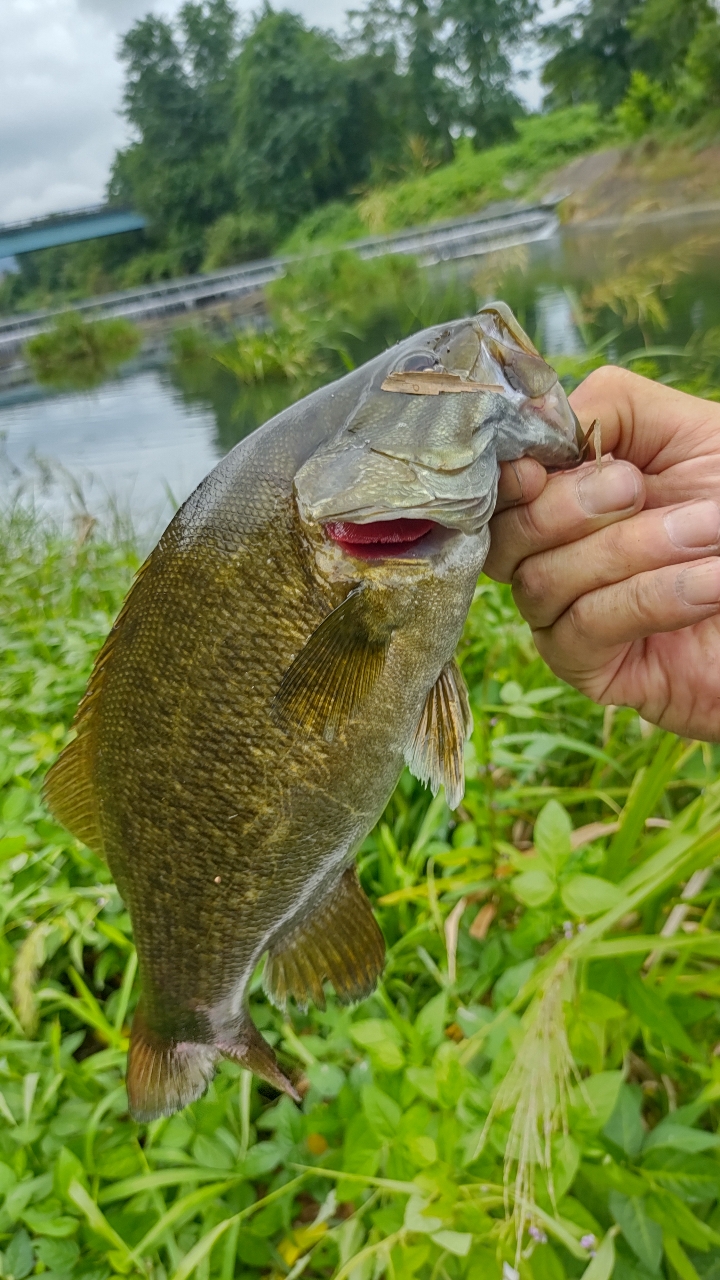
68,787
437,751
340,943
334,672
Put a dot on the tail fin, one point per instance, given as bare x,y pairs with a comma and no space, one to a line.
165,1075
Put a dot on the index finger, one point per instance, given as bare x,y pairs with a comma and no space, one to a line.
571,505
645,422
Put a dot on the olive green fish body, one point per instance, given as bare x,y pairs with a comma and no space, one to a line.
260,693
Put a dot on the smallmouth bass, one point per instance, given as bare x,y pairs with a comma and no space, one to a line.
284,651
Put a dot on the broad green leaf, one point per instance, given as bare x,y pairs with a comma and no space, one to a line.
680,1138
678,1258
382,1112
457,1242
679,1220
533,888
381,1039
326,1078
19,1256
589,895
625,1128
602,1265
416,1219
594,1101
654,1014
552,832
599,1008
642,1234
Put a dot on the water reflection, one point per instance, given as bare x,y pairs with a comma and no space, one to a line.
142,441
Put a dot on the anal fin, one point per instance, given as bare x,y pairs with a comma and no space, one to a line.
164,1075
340,943
436,754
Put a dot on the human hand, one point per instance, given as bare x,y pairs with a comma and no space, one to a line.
617,570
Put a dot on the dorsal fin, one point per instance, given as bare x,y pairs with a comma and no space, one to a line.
340,943
437,751
68,788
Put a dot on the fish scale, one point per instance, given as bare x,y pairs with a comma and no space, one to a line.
263,687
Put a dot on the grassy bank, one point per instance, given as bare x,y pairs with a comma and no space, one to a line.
498,948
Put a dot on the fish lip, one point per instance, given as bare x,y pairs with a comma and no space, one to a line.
429,537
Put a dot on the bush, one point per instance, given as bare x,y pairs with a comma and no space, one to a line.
239,237
81,353
645,104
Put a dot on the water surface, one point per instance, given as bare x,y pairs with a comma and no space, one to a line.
141,442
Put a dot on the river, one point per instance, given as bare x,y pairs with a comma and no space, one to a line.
138,444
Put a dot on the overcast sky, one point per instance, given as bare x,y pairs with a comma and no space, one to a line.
60,90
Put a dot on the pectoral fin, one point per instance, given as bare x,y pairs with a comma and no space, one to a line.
334,672
436,753
340,943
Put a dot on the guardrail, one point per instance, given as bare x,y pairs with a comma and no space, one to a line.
499,226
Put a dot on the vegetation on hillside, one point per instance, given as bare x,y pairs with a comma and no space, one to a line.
245,135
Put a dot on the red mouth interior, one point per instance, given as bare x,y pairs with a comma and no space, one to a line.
381,538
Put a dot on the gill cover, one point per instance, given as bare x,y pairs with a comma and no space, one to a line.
428,452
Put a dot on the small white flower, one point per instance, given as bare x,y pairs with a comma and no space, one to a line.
509,1273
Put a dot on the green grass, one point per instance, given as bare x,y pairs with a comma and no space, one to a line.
499,968
78,354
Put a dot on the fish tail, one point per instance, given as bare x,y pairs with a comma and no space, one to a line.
164,1075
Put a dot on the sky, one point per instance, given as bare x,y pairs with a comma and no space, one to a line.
61,94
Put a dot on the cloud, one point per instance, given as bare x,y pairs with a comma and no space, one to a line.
60,121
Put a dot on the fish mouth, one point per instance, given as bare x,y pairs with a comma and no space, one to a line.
380,539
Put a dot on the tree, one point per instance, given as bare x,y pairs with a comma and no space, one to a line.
600,45
308,120
454,56
481,34
408,33
178,97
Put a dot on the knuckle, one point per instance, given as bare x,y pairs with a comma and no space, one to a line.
530,583
607,377
580,628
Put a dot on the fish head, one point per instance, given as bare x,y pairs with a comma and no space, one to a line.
417,459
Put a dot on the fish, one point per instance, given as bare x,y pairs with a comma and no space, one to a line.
285,650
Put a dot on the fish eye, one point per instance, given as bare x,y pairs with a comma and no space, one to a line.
419,362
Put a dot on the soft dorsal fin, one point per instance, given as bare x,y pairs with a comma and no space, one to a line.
340,943
334,672
437,750
68,787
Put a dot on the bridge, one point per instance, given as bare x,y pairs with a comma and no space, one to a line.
499,226
67,228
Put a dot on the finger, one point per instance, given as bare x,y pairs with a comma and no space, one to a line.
572,505
545,585
520,481
603,623
649,424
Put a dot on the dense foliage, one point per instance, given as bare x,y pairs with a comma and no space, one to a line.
533,1089
243,129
